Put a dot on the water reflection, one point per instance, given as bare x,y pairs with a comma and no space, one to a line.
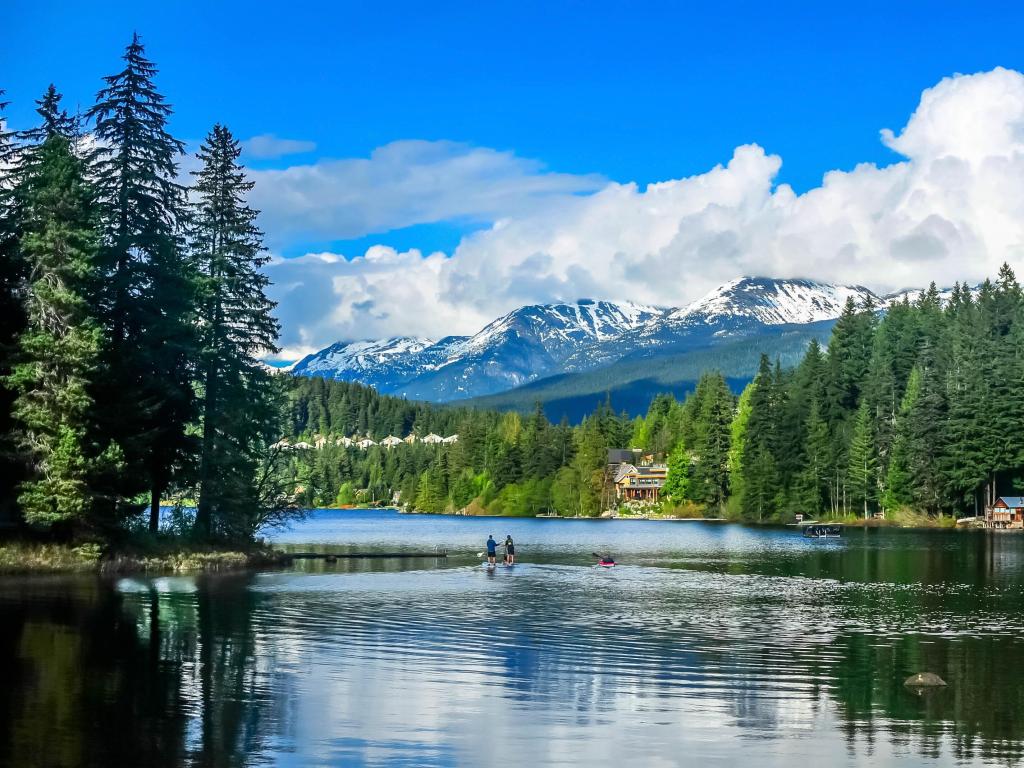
771,653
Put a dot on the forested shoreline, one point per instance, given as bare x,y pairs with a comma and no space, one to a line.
133,320
914,409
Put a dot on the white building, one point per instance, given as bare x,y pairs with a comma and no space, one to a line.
410,439
282,444
303,446
319,442
344,441
391,441
450,439
366,443
433,439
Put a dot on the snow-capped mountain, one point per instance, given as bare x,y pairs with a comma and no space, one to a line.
524,345
548,339
381,364
771,302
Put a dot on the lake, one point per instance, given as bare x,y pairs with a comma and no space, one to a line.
709,644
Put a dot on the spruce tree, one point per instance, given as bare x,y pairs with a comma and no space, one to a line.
926,436
861,470
760,470
817,470
55,120
710,476
13,273
238,399
147,307
678,474
59,349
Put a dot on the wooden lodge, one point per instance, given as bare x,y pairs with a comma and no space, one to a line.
1005,512
639,482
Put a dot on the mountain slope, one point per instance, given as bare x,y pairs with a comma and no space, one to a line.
632,382
523,345
382,364
538,341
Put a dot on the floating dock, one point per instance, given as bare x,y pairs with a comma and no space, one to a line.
361,555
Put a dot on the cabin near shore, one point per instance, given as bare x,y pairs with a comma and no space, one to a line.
635,475
1005,512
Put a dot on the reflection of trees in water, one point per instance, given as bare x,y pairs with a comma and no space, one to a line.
93,677
85,689
161,678
978,712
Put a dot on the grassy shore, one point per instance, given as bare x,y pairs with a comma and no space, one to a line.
164,556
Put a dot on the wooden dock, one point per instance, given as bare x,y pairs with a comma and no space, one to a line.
331,556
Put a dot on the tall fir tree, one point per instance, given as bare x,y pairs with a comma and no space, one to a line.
760,469
710,476
862,460
816,474
147,307
54,120
13,273
240,409
59,349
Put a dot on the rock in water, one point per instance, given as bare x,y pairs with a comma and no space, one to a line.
924,680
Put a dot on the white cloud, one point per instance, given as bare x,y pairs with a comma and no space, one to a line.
324,297
953,209
267,145
402,184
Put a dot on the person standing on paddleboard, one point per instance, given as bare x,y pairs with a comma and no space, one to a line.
510,550
492,550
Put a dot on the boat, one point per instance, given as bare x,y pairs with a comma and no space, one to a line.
819,531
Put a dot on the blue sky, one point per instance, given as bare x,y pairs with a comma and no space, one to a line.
585,92
633,91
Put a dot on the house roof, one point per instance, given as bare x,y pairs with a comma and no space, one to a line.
624,471
1013,502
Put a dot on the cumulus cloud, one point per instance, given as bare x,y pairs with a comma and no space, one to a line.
402,184
267,146
951,209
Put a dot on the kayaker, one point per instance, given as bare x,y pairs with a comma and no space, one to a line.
510,550
492,550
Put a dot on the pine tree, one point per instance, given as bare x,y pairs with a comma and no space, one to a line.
760,469
738,441
55,120
13,274
678,474
238,399
147,306
861,470
59,349
710,476
817,469
926,435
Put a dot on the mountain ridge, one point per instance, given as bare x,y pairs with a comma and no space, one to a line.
538,341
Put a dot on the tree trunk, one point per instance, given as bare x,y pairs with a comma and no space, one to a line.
154,508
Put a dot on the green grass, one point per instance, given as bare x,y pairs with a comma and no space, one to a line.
152,556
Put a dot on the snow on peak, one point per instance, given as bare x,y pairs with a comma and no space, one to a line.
361,355
557,325
773,302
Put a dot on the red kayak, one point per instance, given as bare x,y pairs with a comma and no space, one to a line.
603,560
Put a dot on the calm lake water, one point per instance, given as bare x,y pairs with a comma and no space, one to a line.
707,645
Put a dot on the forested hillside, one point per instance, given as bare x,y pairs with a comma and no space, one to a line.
631,383
916,408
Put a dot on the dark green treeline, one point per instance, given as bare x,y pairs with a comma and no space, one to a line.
132,316
918,408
